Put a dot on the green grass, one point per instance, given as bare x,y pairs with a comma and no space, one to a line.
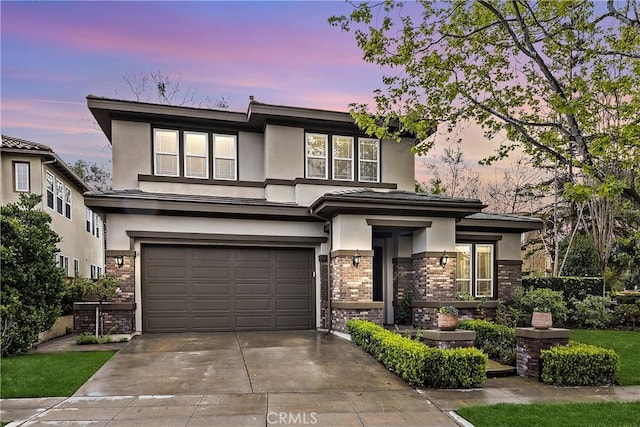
625,343
49,375
609,414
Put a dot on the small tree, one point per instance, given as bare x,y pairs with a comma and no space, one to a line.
32,284
101,290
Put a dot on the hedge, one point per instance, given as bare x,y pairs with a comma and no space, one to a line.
418,364
571,287
499,342
579,364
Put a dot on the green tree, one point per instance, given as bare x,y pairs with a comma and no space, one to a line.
93,174
32,284
559,78
581,258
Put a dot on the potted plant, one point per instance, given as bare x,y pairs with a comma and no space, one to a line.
405,311
542,318
447,318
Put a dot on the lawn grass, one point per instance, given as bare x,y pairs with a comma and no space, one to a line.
50,374
609,414
625,343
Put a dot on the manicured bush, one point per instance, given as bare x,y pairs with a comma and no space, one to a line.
628,297
499,342
571,287
415,362
592,312
579,364
525,301
627,315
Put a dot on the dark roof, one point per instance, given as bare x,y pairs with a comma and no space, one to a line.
18,145
136,201
395,202
253,120
22,144
500,222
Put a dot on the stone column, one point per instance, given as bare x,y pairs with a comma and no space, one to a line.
324,292
122,319
432,282
352,289
529,343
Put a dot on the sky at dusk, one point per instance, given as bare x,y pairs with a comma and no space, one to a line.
54,54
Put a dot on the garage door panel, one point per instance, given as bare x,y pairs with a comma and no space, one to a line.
223,289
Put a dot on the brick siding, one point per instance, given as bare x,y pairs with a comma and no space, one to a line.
509,278
350,283
339,317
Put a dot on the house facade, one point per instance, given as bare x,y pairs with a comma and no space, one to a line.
29,167
282,218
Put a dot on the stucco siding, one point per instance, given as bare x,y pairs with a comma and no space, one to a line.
203,189
284,152
398,165
132,153
7,193
251,156
509,248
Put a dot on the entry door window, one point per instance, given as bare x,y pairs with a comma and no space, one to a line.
475,269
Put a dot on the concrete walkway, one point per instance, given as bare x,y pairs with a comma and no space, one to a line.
246,379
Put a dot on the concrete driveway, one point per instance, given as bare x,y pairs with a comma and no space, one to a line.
243,379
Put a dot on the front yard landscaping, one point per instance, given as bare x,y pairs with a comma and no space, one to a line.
625,343
609,414
50,374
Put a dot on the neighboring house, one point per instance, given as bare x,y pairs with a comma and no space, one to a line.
28,167
256,220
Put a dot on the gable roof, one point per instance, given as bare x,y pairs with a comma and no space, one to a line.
11,144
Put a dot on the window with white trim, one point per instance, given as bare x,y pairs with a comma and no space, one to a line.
89,220
342,157
63,263
166,152
59,197
475,269
196,155
316,153
76,267
21,177
368,159
96,225
50,190
224,156
96,271
67,202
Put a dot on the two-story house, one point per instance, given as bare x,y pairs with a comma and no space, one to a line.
29,167
282,218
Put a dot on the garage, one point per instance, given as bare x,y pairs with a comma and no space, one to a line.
208,289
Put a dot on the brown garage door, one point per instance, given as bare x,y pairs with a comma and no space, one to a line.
226,289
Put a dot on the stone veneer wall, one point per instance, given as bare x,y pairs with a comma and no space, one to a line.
530,342
432,282
340,316
509,277
114,321
324,292
403,279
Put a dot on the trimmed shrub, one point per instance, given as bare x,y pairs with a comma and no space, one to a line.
499,342
418,364
526,301
627,314
592,312
628,297
571,287
579,364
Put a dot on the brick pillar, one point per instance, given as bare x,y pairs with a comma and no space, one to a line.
123,319
431,282
529,343
509,277
324,292
402,282
352,289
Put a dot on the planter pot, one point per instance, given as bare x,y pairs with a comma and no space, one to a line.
541,320
447,321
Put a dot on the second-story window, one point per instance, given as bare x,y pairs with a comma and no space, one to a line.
224,163
316,155
50,190
342,158
165,147
67,202
368,159
21,176
196,154
59,197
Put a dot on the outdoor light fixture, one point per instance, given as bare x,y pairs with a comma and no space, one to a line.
443,259
119,260
356,258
